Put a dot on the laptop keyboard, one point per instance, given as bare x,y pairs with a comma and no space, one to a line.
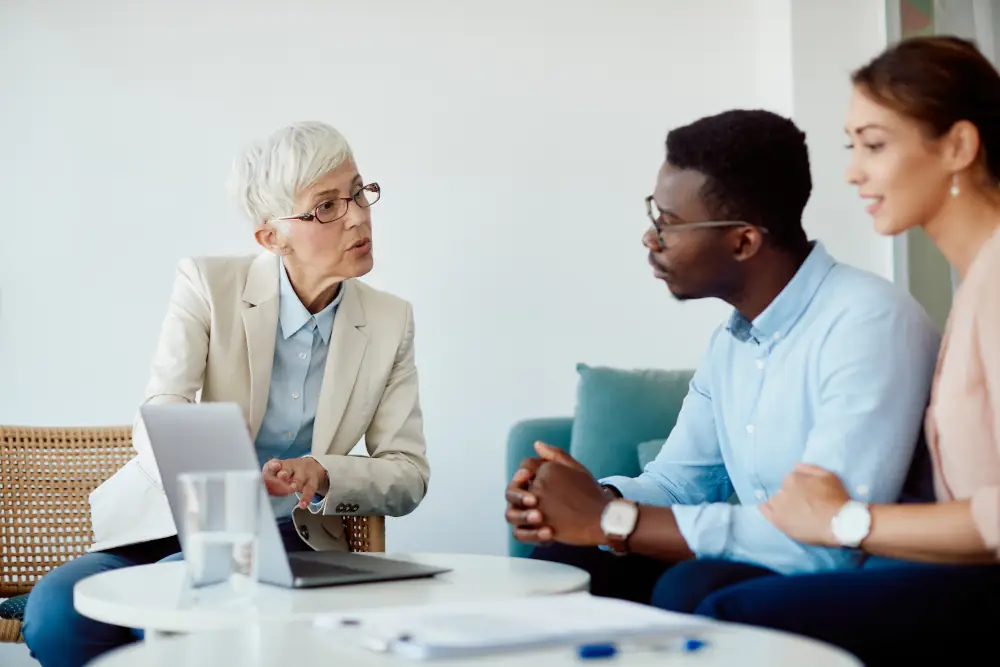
307,567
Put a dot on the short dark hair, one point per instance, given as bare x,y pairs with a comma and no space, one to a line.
938,81
757,169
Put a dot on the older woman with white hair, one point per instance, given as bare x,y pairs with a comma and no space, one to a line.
317,360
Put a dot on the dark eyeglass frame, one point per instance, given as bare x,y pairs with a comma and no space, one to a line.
653,212
374,188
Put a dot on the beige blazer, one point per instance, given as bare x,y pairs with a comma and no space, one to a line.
217,344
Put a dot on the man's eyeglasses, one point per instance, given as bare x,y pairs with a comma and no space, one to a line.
662,226
334,209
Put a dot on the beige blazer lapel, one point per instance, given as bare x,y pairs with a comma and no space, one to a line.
347,350
260,322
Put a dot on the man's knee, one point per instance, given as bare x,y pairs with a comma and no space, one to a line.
687,585
749,605
714,606
680,588
628,577
566,554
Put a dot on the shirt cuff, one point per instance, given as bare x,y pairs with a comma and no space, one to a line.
318,501
633,489
315,505
705,528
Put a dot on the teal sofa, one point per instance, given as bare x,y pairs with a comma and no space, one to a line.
620,422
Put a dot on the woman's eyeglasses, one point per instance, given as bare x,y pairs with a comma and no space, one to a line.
331,210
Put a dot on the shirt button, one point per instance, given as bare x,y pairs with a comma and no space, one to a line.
295,395
760,494
861,489
750,428
777,335
302,355
290,434
760,363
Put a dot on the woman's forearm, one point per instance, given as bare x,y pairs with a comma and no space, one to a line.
932,533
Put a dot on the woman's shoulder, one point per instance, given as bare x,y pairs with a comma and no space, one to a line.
219,276
213,266
379,297
378,304
979,287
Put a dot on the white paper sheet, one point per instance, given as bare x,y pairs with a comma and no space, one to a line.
467,629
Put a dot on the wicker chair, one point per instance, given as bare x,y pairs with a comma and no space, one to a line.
46,476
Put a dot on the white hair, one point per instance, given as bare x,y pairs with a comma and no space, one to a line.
266,178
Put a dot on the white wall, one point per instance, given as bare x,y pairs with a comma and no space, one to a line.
514,141
829,41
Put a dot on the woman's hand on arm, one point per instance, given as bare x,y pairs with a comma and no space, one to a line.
933,532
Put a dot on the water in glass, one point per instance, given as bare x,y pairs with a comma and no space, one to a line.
219,526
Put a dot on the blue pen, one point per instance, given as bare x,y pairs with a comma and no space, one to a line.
606,650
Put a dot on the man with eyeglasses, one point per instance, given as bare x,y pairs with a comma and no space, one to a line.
316,359
819,363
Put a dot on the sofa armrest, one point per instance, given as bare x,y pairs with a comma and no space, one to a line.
521,439
555,431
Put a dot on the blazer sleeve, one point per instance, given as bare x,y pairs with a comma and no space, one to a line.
393,478
986,499
177,372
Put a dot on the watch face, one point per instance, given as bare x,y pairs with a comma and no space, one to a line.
852,524
619,518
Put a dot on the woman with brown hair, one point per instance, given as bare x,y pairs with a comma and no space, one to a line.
924,134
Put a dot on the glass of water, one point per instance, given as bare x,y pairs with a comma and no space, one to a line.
219,526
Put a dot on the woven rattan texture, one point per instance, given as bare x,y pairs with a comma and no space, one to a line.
46,475
365,533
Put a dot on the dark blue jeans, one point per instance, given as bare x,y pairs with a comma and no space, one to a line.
887,613
60,637
677,587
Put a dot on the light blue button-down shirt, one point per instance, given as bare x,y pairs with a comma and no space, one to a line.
835,372
300,352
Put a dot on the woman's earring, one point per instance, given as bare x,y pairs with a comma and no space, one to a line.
954,185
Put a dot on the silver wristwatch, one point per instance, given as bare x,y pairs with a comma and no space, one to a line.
618,521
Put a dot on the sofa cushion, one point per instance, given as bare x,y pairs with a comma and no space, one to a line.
617,409
647,451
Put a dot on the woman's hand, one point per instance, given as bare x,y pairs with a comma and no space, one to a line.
805,505
304,475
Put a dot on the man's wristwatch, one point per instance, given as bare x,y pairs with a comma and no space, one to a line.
851,525
618,521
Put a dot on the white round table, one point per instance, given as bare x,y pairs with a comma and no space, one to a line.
281,645
150,597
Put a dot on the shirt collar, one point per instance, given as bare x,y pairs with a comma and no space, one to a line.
292,315
784,311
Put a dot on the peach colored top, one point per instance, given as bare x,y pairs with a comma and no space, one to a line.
963,421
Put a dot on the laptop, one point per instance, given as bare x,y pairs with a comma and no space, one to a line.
212,437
